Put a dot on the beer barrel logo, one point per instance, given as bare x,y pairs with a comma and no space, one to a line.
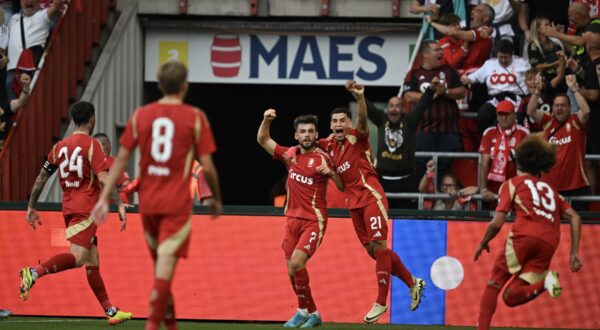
226,55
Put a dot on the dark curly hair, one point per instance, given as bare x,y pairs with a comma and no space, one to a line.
535,155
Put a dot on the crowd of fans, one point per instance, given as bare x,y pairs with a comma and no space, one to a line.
521,68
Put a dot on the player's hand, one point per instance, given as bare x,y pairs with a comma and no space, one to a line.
216,208
270,114
323,169
356,88
480,249
99,212
33,217
575,263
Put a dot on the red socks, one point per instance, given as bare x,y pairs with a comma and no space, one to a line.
56,264
487,307
519,292
399,270
97,285
302,289
158,302
383,268
170,321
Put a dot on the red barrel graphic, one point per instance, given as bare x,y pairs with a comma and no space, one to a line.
226,55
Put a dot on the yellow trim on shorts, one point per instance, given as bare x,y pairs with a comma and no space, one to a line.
320,219
511,256
173,243
532,277
371,189
78,227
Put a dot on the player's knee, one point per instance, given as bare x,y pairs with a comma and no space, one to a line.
80,258
296,265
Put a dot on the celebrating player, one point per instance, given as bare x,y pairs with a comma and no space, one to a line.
308,170
82,166
352,156
169,134
534,236
124,180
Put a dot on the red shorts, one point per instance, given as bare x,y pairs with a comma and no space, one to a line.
168,234
370,222
527,257
304,235
81,230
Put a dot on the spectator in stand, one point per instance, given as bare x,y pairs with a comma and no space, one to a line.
542,51
505,79
580,17
9,108
36,25
435,9
568,132
498,149
457,195
396,143
438,131
545,99
504,17
592,7
466,51
554,10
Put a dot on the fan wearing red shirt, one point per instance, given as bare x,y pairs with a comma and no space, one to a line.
568,132
497,150
309,169
352,155
82,168
170,134
526,257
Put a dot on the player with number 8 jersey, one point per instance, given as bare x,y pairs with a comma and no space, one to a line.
170,134
530,245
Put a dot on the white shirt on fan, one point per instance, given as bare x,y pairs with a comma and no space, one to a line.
37,29
499,79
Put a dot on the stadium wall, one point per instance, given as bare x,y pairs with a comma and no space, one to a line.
236,271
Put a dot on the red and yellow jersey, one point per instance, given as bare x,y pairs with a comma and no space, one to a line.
123,177
568,172
354,163
169,136
79,158
537,205
306,188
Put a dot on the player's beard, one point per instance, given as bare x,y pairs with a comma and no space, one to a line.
309,147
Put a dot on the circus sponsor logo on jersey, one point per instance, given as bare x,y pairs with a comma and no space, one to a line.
502,78
343,168
301,178
561,141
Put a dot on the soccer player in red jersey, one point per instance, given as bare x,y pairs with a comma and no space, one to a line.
308,170
124,180
352,156
526,257
169,134
82,168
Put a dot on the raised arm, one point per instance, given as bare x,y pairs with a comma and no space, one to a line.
416,8
263,137
324,169
416,114
560,70
55,8
361,121
451,31
532,107
19,102
584,108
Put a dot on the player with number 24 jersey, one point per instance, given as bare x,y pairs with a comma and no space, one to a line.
169,135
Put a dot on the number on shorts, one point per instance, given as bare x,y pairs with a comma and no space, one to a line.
547,200
75,162
163,130
376,222
313,236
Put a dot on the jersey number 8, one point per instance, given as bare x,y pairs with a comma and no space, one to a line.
163,130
